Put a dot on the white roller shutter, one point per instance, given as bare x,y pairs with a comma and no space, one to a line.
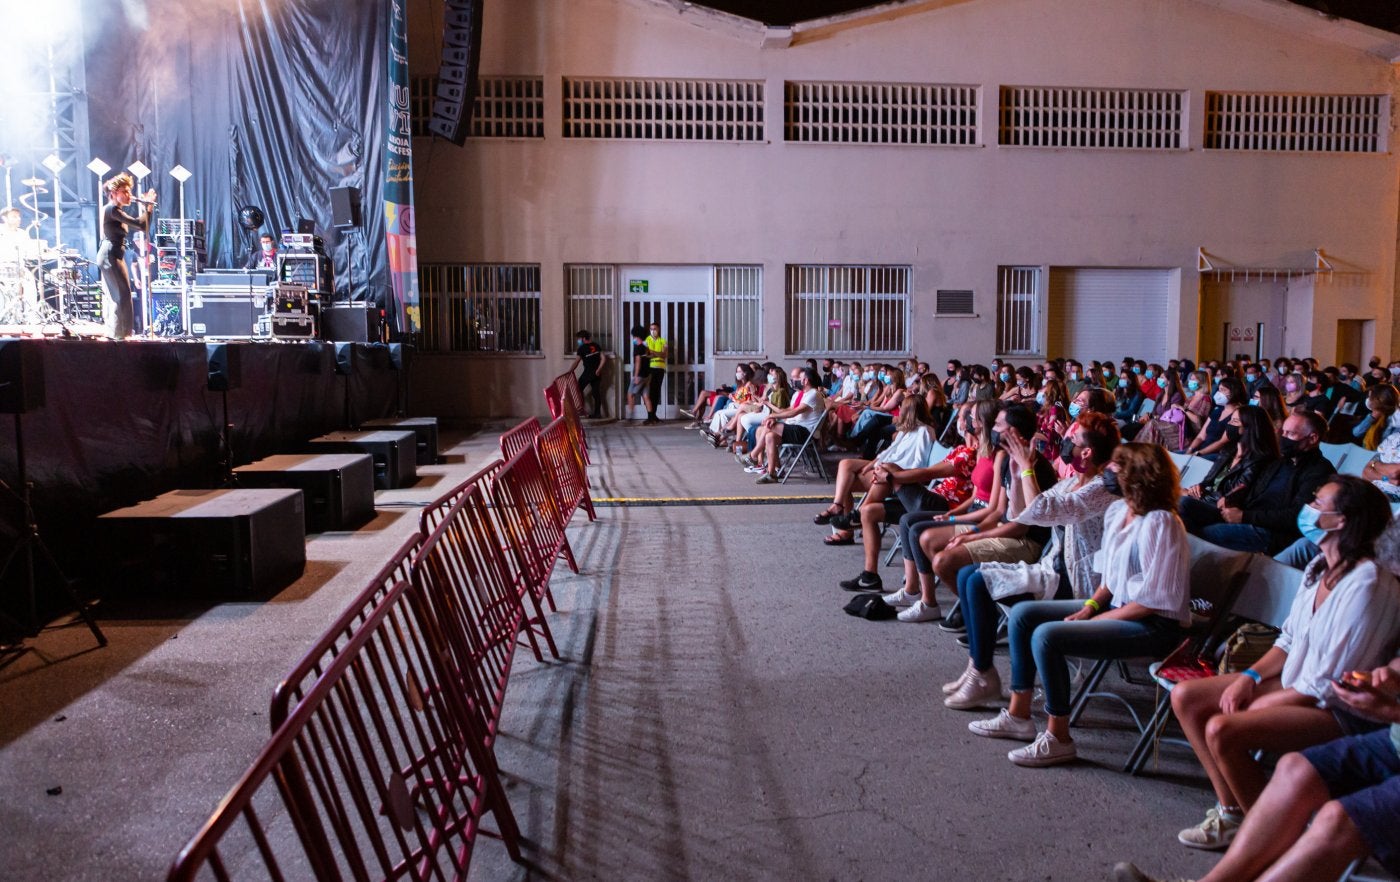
1108,313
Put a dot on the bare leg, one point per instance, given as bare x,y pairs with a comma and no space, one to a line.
1195,703
1277,822
1234,737
872,513
1324,852
1020,704
946,565
847,478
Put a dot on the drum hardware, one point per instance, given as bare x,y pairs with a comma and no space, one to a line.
33,182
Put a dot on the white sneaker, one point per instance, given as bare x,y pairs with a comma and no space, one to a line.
953,686
1003,725
919,611
977,690
1215,833
1045,750
900,600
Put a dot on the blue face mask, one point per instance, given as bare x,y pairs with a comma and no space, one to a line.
1150,373
1003,377
1307,525
1122,384
1040,398
1108,372
1161,382
1075,410
1193,385
1136,369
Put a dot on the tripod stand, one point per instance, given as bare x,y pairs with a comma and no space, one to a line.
26,544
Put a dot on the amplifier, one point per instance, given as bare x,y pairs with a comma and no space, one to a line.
168,264
232,278
171,227
312,270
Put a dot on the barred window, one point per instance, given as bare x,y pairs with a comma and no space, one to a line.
1128,119
505,107
738,310
490,307
848,310
880,113
1301,123
1018,311
663,110
591,301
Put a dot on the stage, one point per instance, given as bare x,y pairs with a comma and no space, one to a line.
122,422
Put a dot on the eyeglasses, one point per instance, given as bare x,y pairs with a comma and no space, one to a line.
1314,506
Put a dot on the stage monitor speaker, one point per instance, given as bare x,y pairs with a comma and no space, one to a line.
397,356
225,366
21,376
345,206
350,323
345,358
457,74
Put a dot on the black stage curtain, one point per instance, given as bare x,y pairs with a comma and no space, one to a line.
268,102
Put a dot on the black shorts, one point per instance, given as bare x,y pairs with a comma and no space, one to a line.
794,434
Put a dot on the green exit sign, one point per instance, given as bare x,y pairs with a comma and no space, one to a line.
638,286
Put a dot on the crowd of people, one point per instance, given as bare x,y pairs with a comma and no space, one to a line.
1046,495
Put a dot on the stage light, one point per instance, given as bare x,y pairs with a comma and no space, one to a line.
139,169
181,174
54,164
98,167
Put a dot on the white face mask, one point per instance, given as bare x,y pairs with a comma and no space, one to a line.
1221,398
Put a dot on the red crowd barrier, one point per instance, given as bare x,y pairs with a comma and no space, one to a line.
562,463
564,398
519,437
438,508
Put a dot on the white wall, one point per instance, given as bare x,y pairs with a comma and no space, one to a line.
953,213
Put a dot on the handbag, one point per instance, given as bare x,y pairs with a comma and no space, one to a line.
1246,646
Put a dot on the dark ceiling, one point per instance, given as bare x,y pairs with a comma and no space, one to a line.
1384,14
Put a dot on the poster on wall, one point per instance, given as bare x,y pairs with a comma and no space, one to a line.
400,227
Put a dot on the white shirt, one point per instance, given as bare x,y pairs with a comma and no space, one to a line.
812,399
909,450
1147,561
1356,628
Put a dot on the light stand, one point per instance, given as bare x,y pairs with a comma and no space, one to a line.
99,168
182,174
56,165
148,306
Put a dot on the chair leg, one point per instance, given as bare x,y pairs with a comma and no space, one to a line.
1090,683
1150,733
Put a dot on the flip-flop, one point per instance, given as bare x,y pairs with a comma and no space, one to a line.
848,539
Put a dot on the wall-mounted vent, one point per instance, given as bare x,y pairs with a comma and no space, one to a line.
1117,119
953,303
663,110
1300,123
880,113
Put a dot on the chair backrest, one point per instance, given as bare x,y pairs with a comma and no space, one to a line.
1337,454
1355,462
1196,470
1181,460
1148,406
1268,593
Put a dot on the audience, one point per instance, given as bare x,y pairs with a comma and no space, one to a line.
910,450
1229,396
790,425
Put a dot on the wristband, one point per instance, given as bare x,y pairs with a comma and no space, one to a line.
976,529
1028,473
1093,604
952,520
1253,675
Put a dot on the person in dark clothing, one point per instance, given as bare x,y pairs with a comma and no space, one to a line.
111,252
1263,515
265,255
641,370
592,357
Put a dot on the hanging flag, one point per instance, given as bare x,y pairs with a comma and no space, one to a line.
400,229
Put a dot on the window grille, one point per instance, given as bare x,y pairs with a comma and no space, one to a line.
1127,119
491,307
591,298
880,113
953,303
738,310
1018,311
506,107
1302,123
848,310
663,110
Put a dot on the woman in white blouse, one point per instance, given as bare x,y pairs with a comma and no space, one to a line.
910,449
1345,617
1139,608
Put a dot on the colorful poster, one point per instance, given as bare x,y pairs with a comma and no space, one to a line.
401,231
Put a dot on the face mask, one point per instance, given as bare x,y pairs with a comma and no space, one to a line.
1288,446
1067,449
1254,402
884,377
1290,387
1003,377
1151,373
1233,434
579,341
1308,526
1075,410
1220,398
868,375
1395,371
772,378
1122,384
1137,370
1040,398
267,248
1074,376
1020,382
951,372
1108,372
1193,385
1110,482
996,438
1311,387
738,378
1161,382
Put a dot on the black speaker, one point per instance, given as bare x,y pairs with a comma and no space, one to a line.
350,323
225,366
461,55
345,206
397,357
345,358
21,376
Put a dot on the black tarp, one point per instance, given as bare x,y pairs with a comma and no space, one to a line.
268,102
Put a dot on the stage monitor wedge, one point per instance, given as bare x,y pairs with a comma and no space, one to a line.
21,376
461,57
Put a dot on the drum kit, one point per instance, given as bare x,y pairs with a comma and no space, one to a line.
39,285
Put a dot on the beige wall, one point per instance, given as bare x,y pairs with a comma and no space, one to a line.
953,213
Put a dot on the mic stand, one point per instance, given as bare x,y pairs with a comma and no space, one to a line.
26,543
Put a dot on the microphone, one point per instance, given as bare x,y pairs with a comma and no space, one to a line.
143,201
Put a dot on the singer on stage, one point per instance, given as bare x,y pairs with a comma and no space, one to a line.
116,284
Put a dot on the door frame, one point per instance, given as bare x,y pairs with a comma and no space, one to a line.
653,305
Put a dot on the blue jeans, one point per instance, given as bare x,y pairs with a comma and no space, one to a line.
1298,554
911,527
1042,641
1204,520
979,613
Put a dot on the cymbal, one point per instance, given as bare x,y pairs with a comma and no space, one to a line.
32,182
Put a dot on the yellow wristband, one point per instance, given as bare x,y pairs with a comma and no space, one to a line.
1091,602
1028,473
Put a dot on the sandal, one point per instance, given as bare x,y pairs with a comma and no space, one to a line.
845,521
825,517
846,538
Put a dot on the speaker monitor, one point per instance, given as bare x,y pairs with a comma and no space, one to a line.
396,356
225,366
345,206
21,376
345,358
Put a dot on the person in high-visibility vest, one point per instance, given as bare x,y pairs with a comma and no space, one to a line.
656,345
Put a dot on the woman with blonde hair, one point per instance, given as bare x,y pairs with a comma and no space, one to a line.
111,252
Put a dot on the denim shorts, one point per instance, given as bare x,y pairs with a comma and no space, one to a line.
1362,773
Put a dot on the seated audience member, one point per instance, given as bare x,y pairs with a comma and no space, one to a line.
1270,400
1074,510
1228,397
939,410
1294,390
709,405
981,383
1147,382
992,534
1327,806
1021,387
1139,608
1345,617
1317,387
777,396
1263,515
956,385
791,425
1380,421
879,412
1383,469
1128,399
1253,446
1075,381
1198,403
913,441
961,485
1052,416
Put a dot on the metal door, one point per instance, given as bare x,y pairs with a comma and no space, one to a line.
678,299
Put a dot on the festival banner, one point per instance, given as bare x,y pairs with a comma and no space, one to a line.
400,229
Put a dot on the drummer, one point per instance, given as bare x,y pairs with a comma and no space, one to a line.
12,237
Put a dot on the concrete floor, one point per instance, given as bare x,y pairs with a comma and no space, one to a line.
715,716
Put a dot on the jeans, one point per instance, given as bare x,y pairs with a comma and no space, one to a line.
979,614
1041,641
911,526
1204,520
1298,554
